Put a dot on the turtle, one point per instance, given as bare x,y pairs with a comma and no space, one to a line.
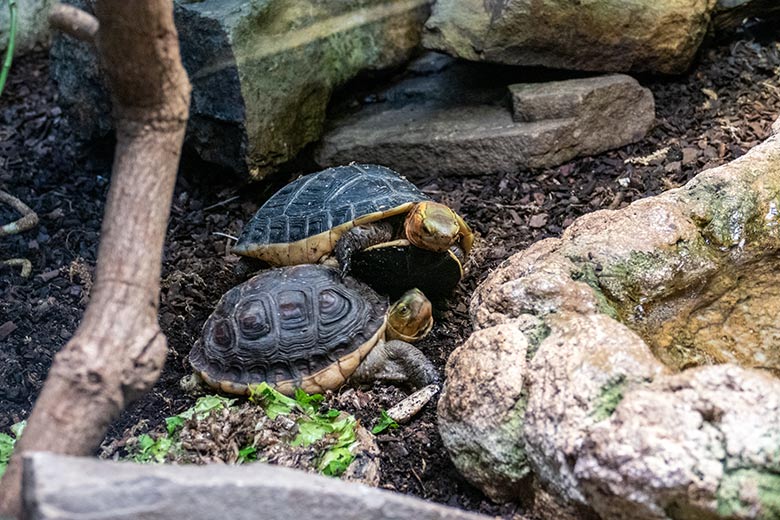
341,210
309,327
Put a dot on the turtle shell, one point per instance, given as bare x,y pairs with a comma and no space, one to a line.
300,326
303,221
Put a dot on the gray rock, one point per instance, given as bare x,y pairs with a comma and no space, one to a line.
262,71
610,35
32,25
60,487
649,383
448,123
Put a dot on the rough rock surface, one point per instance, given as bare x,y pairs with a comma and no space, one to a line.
59,487
613,35
714,449
262,71
452,122
643,382
32,25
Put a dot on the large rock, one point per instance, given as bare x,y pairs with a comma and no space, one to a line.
60,487
609,35
32,25
454,122
635,375
262,71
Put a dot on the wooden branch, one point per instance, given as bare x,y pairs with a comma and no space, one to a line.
74,22
118,350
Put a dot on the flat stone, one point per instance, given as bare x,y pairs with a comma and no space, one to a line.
449,123
262,71
60,487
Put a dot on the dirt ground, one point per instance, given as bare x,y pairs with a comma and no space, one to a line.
712,115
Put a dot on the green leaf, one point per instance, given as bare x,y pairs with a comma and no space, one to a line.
335,461
385,422
247,454
310,431
173,423
273,402
18,428
205,405
308,403
7,444
152,450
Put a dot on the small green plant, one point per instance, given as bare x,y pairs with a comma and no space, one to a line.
385,422
7,443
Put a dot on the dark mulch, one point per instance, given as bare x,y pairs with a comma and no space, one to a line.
712,115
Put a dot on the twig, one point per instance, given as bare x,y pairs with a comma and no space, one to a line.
29,217
26,265
220,234
74,22
221,203
411,405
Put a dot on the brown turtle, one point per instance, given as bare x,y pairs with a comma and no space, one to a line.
308,327
346,209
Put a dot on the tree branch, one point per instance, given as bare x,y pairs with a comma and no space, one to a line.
118,350
74,22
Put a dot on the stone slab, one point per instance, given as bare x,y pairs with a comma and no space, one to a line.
449,123
62,487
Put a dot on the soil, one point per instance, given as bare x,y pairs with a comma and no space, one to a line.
712,115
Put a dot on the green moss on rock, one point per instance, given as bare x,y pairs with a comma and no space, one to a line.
609,399
749,493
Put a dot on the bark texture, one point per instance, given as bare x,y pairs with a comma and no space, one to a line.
118,351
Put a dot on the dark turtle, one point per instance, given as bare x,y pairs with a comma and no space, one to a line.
308,327
346,209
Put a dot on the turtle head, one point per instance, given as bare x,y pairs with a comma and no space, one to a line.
432,226
410,318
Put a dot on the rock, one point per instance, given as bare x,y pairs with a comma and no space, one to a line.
611,35
642,351
450,123
481,412
262,71
690,445
32,25
59,487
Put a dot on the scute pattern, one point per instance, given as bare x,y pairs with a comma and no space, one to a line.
316,203
285,324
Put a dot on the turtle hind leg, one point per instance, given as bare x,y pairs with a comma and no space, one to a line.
396,362
358,238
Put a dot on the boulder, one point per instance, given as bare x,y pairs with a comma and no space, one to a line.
32,25
454,121
611,35
262,71
636,372
59,487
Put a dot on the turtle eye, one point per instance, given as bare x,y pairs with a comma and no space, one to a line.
403,309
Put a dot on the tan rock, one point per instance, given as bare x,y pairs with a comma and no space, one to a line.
651,341
609,35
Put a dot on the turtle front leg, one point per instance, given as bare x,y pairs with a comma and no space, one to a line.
358,238
396,362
